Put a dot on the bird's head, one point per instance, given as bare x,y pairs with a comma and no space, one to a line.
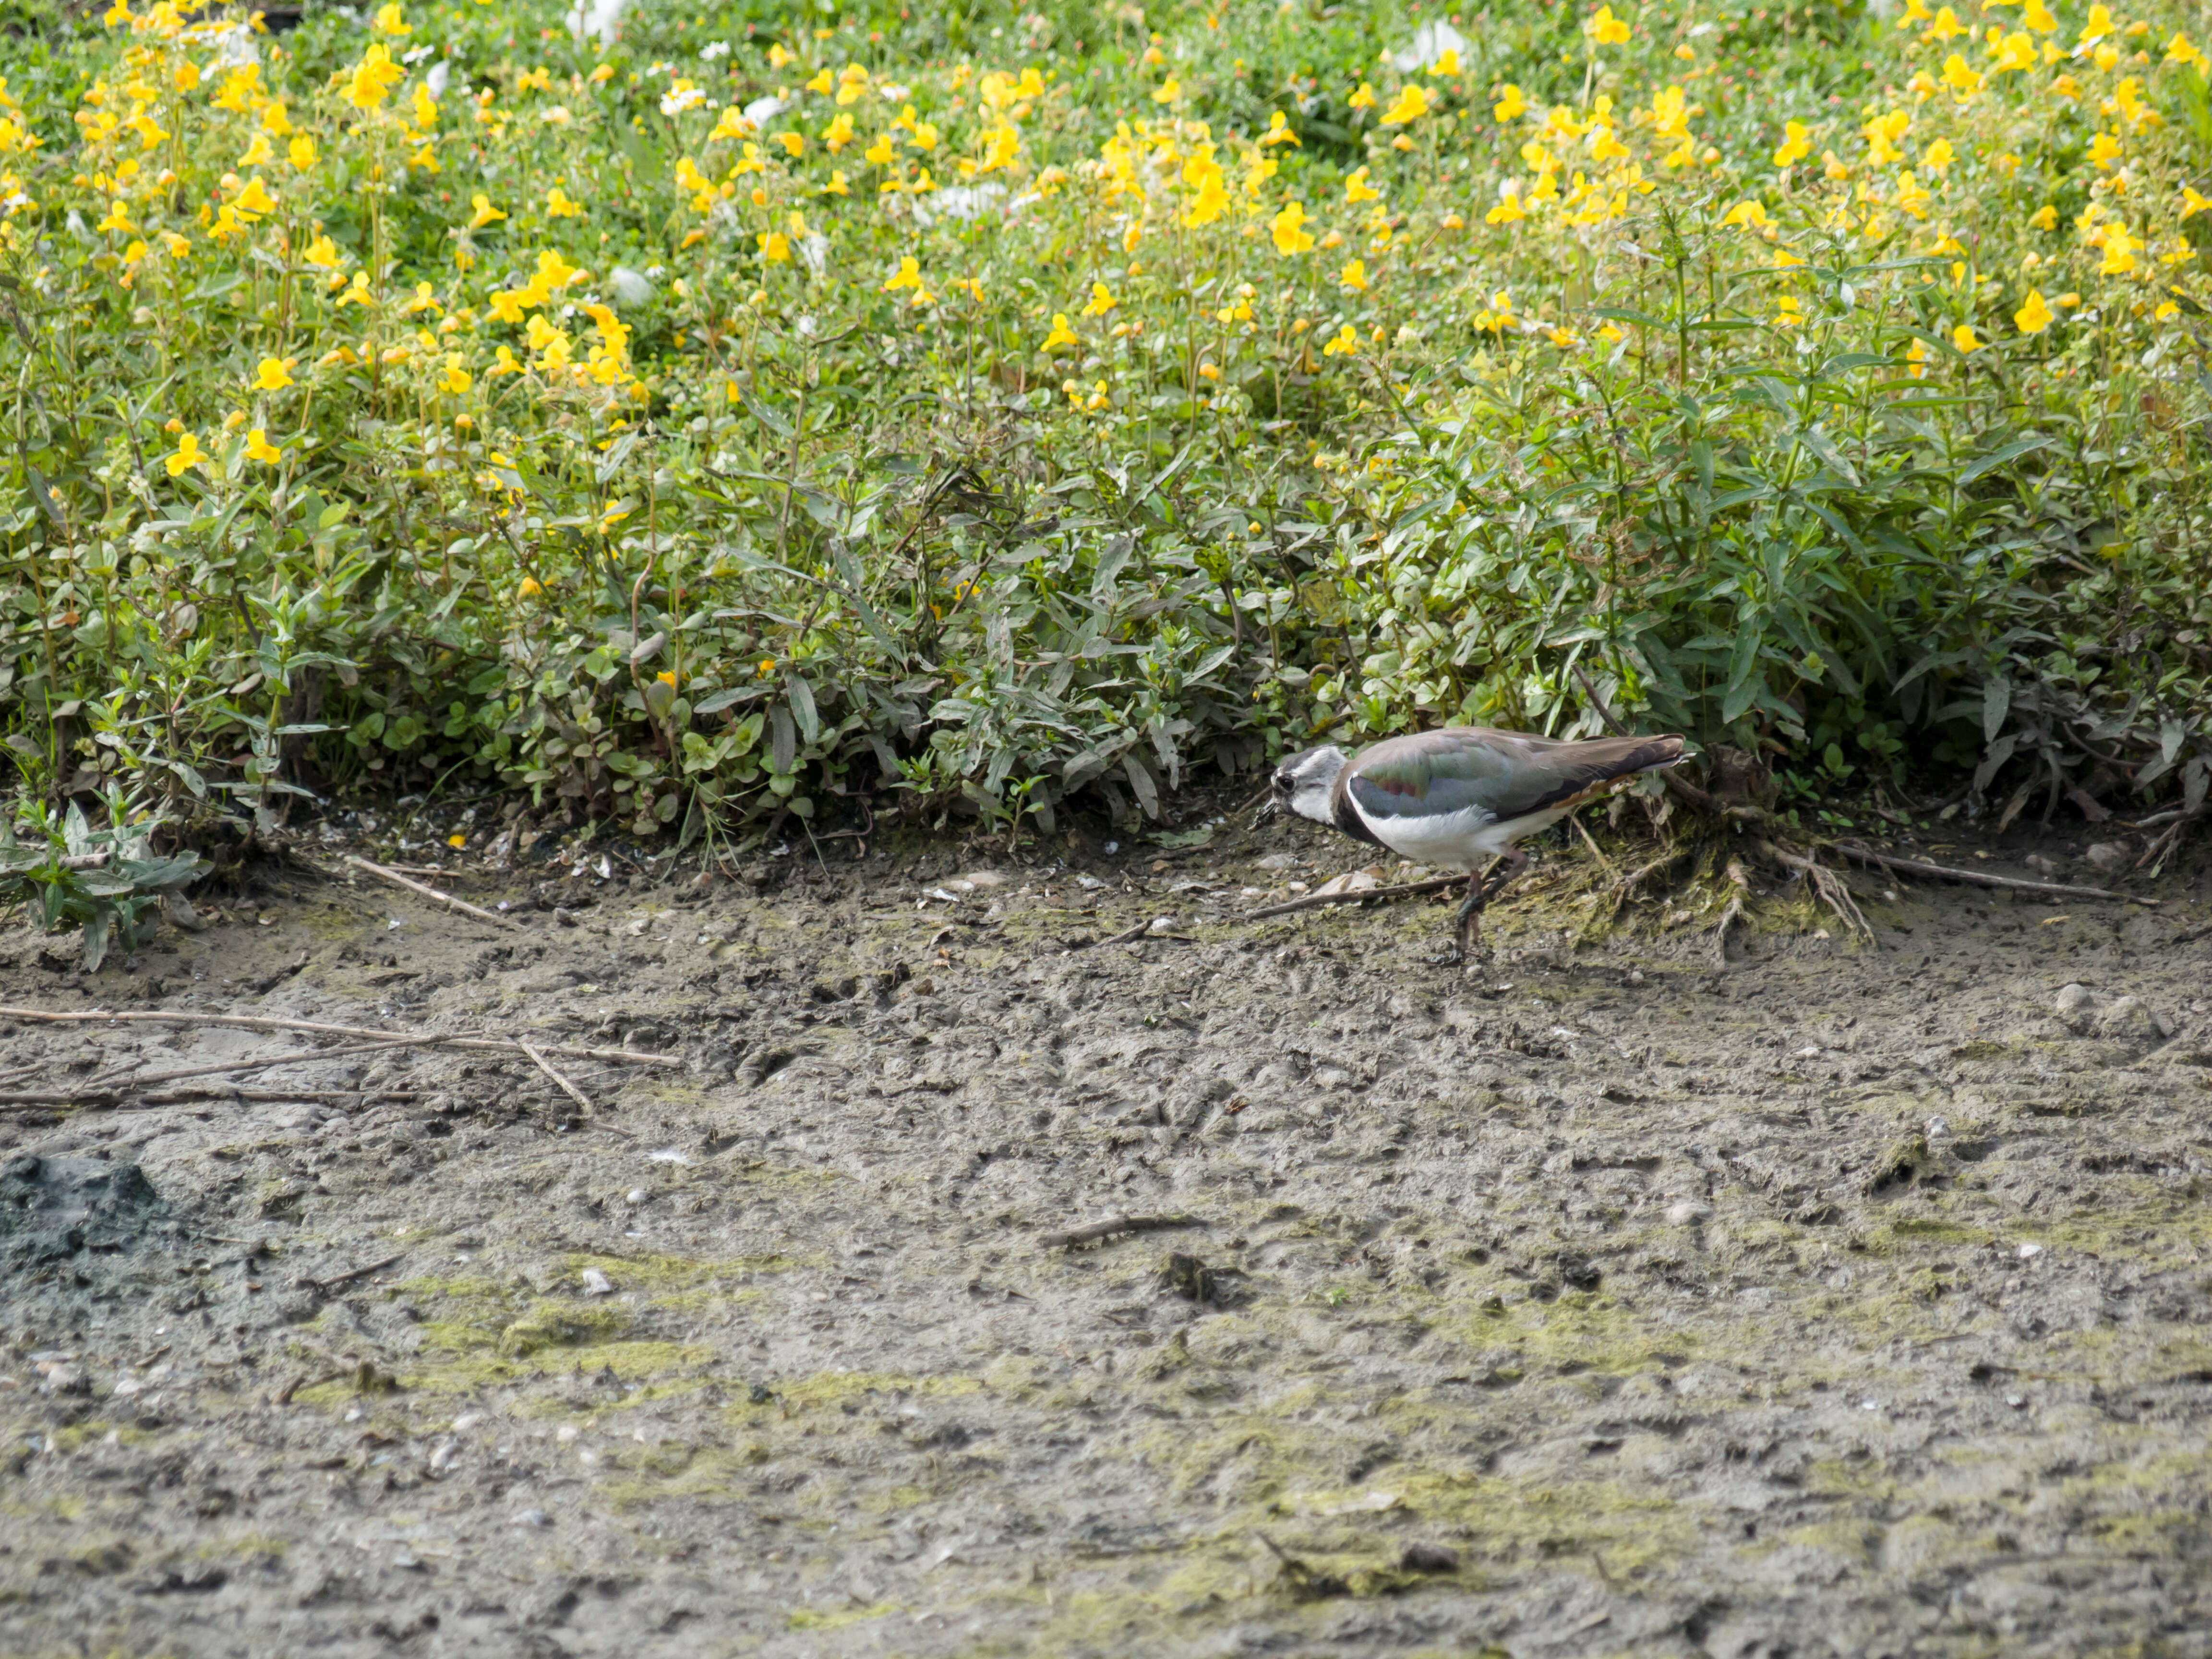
1303,782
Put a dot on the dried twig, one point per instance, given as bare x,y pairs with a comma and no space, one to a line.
562,1083
1117,1223
446,899
325,1286
1126,936
1980,878
1316,901
263,1023
126,1098
118,1085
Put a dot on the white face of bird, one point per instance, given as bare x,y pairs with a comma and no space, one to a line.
1303,783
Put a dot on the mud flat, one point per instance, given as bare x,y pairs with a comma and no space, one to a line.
1637,1295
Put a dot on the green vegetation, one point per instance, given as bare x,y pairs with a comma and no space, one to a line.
710,419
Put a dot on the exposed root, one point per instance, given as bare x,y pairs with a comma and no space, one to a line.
1732,914
1828,886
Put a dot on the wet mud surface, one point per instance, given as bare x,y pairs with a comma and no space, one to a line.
1607,1297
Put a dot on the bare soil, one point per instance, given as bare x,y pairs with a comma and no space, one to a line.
1628,1294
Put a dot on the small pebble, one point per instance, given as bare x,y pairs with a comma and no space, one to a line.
1685,1214
595,1282
533,1518
636,1195
2108,856
1429,1558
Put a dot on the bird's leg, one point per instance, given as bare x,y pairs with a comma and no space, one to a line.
1513,865
1468,929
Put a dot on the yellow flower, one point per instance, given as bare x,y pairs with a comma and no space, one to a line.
2192,202
1960,77
774,247
1510,104
1446,64
258,448
1507,212
188,454
1061,334
255,199
823,83
1751,216
1606,29
1611,335
2105,150
370,81
257,154
2180,51
1796,144
2119,252
2045,217
558,206
389,22
1356,189
1354,276
275,374
836,186
1102,300
838,133
2098,25
300,152
880,154
1411,104
2038,17
484,213
1170,89
794,144
1787,314
908,274
1916,361
1279,132
1288,230
2035,316
455,379
1963,340
1938,156
1345,344
2167,309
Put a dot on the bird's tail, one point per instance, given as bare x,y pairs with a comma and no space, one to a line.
1592,768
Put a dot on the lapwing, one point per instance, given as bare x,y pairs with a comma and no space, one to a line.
1456,798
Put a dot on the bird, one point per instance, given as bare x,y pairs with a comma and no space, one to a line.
1456,797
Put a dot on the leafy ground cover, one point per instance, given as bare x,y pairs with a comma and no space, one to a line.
695,417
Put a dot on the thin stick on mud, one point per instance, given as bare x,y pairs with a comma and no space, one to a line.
1980,878
560,1082
1117,1223
1316,901
121,1085
129,1100
446,899
325,1286
262,1022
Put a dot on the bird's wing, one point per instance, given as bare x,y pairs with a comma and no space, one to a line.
1501,775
